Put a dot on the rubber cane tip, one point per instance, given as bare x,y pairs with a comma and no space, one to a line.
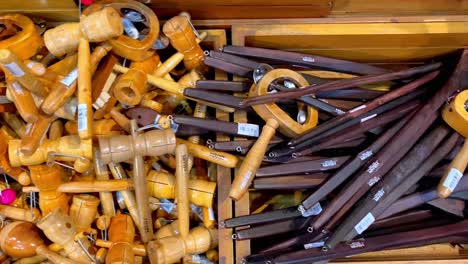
7,196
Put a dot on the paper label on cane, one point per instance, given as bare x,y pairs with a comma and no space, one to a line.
368,118
70,78
314,210
14,69
248,129
82,117
314,244
17,87
211,214
364,223
452,179
246,180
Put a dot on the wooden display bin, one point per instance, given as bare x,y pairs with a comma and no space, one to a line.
383,32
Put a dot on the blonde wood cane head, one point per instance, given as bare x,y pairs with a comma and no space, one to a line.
247,170
122,148
183,39
102,25
83,211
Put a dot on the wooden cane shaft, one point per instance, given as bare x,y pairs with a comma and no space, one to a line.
122,234
182,176
84,91
128,196
70,145
102,174
35,133
252,161
168,65
138,250
15,123
141,192
23,101
14,66
218,157
52,256
163,185
454,172
56,130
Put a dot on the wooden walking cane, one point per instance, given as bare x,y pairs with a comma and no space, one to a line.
456,116
182,176
252,161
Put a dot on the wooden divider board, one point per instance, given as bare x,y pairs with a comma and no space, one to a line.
374,42
215,40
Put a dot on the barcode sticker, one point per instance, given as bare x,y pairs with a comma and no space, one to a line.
14,69
452,179
328,163
364,223
366,155
82,117
314,244
368,118
248,129
17,87
211,214
70,78
314,210
246,180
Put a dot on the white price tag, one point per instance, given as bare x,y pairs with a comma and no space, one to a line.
314,245
452,179
211,214
17,87
70,78
365,155
314,210
364,223
246,180
368,118
248,129
14,69
82,117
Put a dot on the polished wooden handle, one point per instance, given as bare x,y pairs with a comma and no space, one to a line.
34,134
171,249
182,175
167,230
97,27
131,85
52,256
163,185
252,161
102,173
141,192
218,157
14,122
168,65
454,172
25,43
20,239
16,213
120,119
69,145
159,82
60,229
122,234
14,66
23,101
85,109
64,88
123,148
56,130
83,211
138,250
183,39
129,198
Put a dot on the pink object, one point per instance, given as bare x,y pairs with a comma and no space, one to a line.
86,2
7,196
